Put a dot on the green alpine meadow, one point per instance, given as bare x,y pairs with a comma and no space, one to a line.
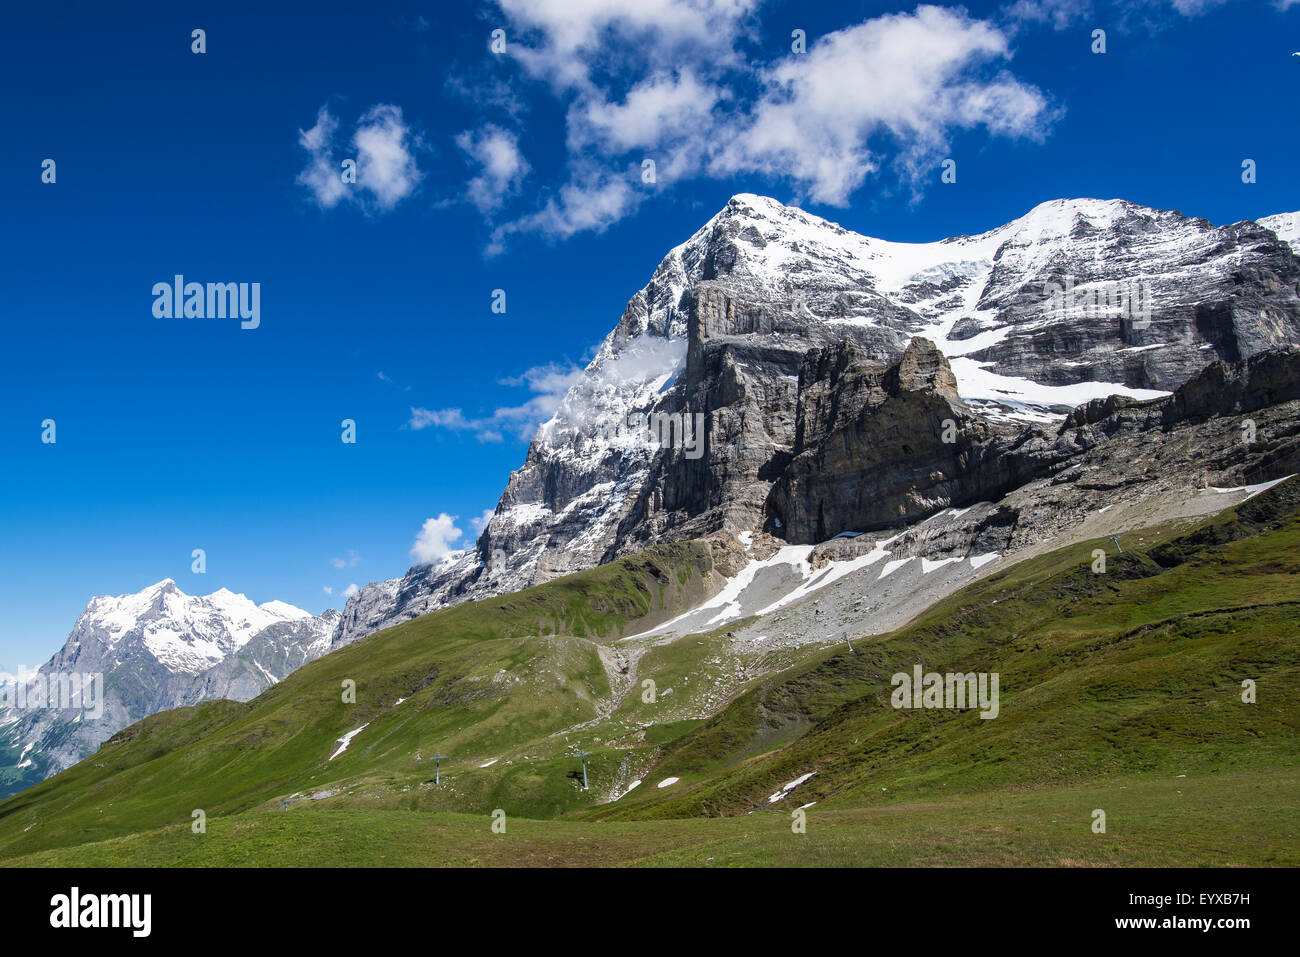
1160,697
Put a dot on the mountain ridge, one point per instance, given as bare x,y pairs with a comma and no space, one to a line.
760,284
155,649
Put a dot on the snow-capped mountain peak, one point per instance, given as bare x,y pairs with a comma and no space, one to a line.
1074,300
184,633
160,648
1286,225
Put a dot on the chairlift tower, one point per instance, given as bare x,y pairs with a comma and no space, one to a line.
437,767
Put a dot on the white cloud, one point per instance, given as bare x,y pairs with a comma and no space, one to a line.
385,166
641,361
479,522
890,90
382,146
443,418
901,81
388,379
660,108
487,91
24,674
563,41
551,379
434,541
549,383
350,591
1059,13
322,176
329,590
348,562
1194,8
676,45
592,202
502,166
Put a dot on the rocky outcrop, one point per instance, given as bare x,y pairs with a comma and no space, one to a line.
908,453
879,446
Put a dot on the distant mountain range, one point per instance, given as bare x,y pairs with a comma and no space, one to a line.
157,649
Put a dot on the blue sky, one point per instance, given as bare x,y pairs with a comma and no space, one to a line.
478,171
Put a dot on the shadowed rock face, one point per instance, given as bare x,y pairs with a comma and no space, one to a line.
887,464
871,450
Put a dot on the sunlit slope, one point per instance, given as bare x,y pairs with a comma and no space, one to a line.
1113,686
1229,819
478,679
1137,669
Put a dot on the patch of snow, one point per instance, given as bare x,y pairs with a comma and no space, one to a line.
1253,490
976,381
347,739
786,789
832,573
630,788
1286,225
928,566
891,567
798,781
667,782
265,674
726,603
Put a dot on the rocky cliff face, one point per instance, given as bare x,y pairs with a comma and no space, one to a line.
821,367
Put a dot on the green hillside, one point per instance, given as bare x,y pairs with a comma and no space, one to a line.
1139,669
1119,691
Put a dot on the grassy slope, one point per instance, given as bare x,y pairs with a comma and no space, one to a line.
1138,669
1232,819
1112,687
479,679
